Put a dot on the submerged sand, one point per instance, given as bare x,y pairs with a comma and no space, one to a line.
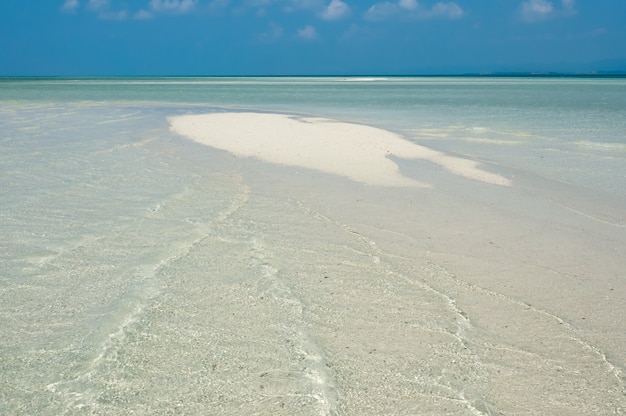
163,277
355,151
457,300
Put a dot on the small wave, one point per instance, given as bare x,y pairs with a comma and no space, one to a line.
601,145
365,79
491,141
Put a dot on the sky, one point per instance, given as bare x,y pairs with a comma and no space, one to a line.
309,37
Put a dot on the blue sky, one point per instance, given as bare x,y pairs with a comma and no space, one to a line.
309,37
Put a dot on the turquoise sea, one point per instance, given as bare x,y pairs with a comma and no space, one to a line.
142,273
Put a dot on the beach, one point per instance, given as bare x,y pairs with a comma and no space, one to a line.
185,258
462,277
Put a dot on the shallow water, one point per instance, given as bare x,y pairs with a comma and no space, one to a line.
143,273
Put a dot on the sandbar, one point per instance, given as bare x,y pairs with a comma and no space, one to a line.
358,152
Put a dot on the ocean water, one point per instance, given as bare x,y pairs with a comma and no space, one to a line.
143,273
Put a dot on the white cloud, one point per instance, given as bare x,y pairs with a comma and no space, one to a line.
533,10
172,6
288,6
537,10
408,4
336,9
98,4
308,32
446,11
568,4
304,4
273,33
411,9
381,11
601,31
119,15
142,15
103,9
218,5
70,6
258,3
118,10
569,7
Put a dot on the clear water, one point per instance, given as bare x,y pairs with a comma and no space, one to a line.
569,120
142,273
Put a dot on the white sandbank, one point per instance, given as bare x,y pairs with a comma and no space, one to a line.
354,151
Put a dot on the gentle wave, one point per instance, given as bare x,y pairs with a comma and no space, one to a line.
609,146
